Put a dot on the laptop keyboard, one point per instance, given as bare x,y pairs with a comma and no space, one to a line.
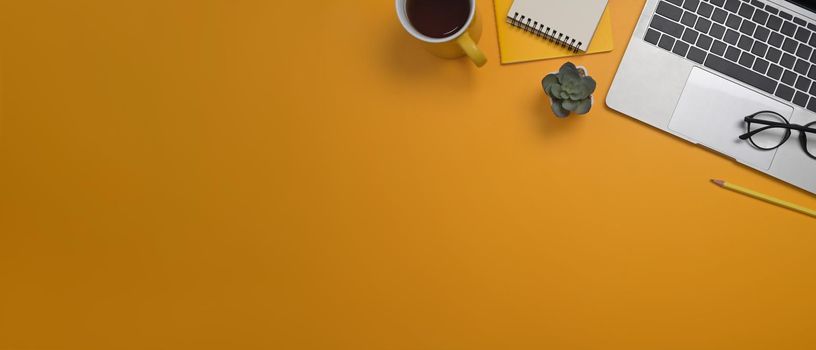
755,43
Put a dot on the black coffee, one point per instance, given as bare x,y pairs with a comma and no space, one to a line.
438,18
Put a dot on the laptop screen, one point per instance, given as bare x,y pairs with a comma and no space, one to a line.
808,4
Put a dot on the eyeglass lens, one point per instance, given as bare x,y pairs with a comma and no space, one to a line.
811,139
770,137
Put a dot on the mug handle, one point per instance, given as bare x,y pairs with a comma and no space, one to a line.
469,46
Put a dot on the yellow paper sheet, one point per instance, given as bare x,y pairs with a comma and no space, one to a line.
517,45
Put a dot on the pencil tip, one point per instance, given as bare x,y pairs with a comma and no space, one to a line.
720,183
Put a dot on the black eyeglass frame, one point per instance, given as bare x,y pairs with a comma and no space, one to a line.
803,130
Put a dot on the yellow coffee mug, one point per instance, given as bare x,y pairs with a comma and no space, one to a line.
458,44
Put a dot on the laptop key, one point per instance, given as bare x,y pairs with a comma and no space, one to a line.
803,83
812,72
719,3
790,45
801,67
784,92
804,51
702,25
746,10
718,47
813,89
696,55
745,43
690,36
704,42
788,28
773,55
799,21
787,61
740,73
760,17
676,2
688,19
691,5
813,57
759,49
762,33
747,60
800,99
812,104
789,77
652,36
775,71
718,31
666,26
732,53
802,34
666,42
731,37
776,39
771,9
680,48
732,5
719,16
733,21
785,15
774,23
747,27
669,11
705,10
760,66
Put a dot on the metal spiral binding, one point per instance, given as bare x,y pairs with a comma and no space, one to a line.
546,33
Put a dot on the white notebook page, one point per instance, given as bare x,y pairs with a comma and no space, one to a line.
577,19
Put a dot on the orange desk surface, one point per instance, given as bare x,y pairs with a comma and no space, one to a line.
302,175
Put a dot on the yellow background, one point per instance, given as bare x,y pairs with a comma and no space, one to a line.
302,175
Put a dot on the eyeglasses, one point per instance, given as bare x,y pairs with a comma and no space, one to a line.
767,130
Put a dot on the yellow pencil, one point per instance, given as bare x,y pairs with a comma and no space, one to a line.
765,198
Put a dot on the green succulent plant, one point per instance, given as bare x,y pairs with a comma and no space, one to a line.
570,90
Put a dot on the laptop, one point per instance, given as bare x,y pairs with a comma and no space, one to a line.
698,68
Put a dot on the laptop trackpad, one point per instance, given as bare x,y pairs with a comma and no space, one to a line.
711,111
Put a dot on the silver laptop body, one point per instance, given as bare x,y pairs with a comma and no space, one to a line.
696,68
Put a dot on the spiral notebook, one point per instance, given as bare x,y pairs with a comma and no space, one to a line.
519,42
569,23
